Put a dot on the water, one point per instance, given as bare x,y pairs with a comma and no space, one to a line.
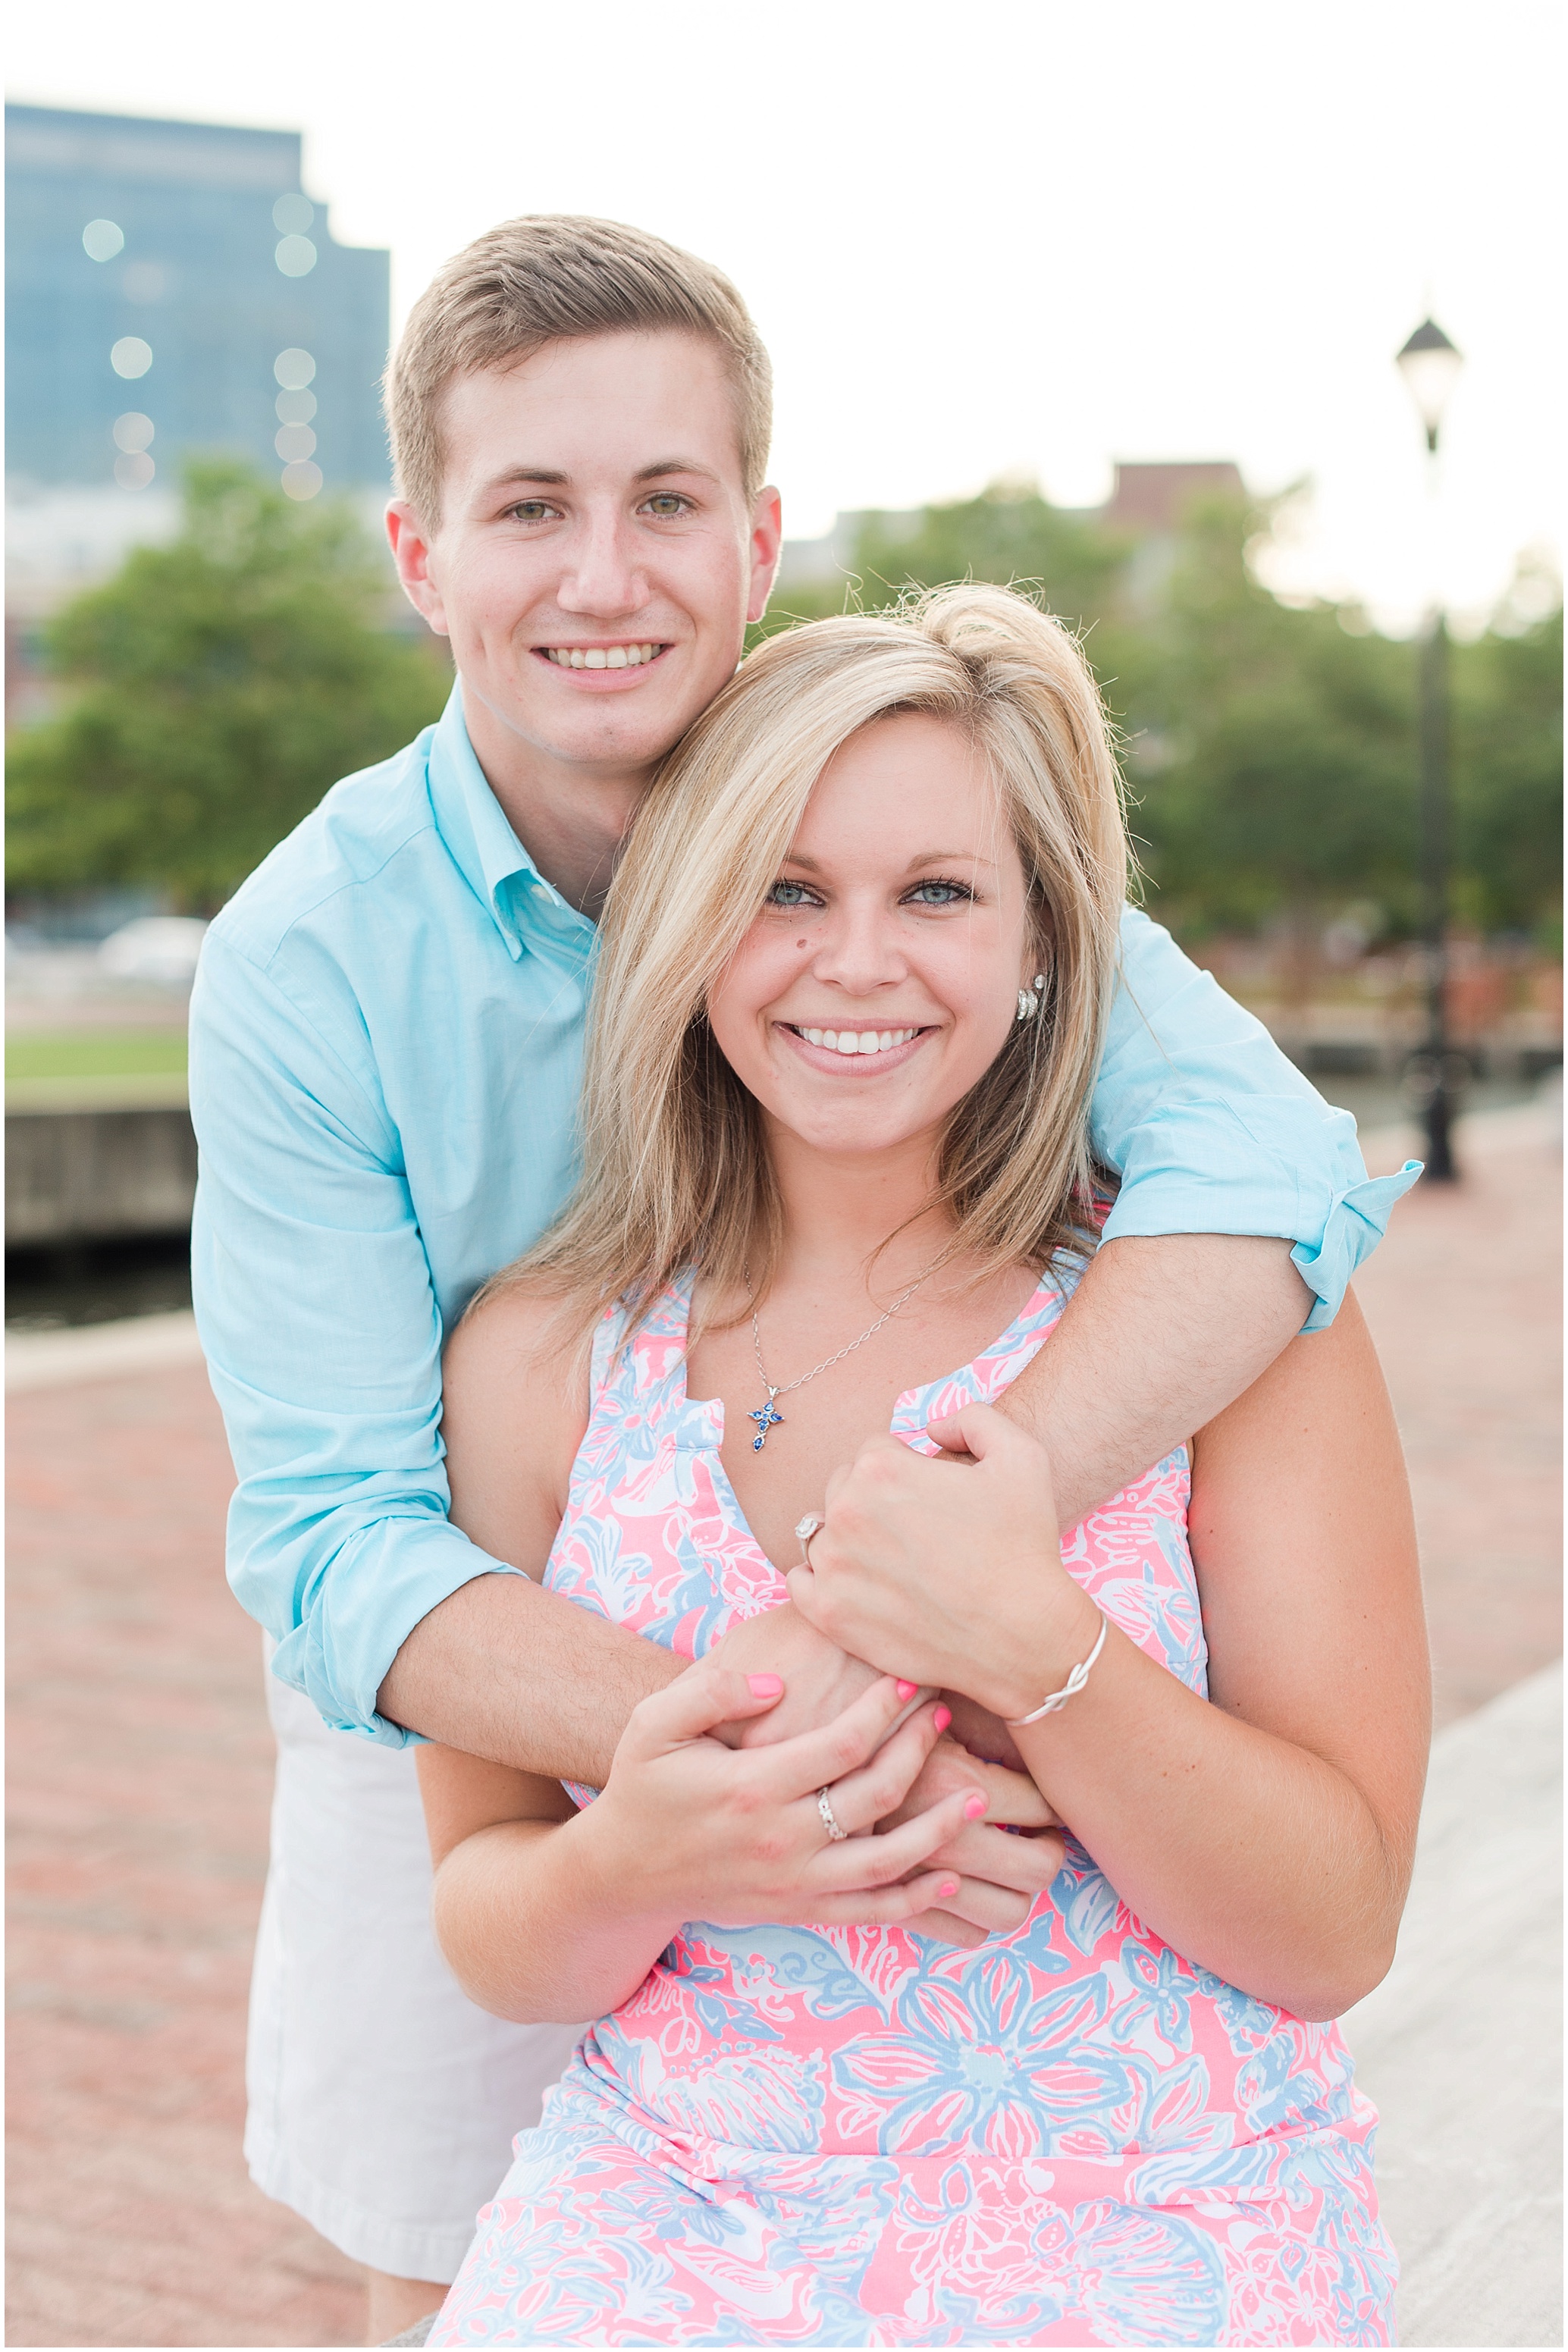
47,1290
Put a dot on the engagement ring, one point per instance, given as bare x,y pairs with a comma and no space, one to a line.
812,1524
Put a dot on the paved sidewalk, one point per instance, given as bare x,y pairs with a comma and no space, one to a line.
141,1759
141,1769
1464,1299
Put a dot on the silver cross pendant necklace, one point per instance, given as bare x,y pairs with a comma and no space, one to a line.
767,1415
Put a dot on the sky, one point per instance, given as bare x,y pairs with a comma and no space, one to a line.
1023,238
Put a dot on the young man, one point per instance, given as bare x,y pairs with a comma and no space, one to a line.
386,1038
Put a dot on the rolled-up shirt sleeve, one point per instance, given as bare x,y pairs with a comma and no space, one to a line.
1213,1130
323,1335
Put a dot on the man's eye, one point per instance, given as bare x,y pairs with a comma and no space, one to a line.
668,503
939,893
531,509
789,894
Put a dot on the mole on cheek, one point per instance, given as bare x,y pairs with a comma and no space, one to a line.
800,943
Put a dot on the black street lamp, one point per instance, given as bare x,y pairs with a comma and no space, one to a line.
1430,365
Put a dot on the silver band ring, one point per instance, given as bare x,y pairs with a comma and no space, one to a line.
812,1524
829,1823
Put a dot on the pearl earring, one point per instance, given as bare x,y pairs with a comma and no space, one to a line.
1027,999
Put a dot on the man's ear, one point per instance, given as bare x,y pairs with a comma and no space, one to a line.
410,544
767,538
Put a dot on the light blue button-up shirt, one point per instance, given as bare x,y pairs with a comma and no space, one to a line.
386,1046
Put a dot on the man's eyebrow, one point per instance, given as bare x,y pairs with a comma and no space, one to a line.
552,478
549,475
674,466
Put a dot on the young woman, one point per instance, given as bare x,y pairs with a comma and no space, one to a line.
837,1185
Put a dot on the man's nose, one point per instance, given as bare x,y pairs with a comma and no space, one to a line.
603,574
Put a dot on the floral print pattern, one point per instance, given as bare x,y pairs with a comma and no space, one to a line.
856,2136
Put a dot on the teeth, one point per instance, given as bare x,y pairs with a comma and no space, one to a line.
858,1041
601,657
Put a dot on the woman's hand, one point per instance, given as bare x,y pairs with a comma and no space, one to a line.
948,1573
1001,1876
689,1829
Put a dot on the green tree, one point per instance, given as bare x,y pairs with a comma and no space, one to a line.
1009,534
1271,746
1508,770
213,689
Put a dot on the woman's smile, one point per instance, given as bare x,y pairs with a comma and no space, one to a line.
857,1051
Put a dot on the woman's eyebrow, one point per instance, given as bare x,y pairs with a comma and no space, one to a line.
926,857
950,858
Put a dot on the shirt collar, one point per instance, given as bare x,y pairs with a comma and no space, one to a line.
529,912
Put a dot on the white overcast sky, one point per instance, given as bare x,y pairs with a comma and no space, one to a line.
1017,235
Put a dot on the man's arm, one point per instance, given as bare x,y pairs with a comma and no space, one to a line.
512,1673
323,1341
1160,1335
1243,1210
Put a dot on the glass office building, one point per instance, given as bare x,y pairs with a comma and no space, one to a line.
170,290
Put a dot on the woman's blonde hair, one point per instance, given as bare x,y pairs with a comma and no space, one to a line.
675,1168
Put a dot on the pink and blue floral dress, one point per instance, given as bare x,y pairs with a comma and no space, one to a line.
857,2136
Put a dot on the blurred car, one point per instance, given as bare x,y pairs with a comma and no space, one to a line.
160,948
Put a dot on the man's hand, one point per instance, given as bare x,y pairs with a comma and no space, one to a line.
983,1734
946,1575
1000,1875
820,1679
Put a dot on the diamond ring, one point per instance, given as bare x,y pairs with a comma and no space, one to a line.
825,1810
812,1524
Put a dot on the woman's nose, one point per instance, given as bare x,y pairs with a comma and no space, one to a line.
859,951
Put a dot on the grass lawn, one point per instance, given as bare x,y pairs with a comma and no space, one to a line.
94,1053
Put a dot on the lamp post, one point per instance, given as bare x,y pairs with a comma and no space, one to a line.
1430,365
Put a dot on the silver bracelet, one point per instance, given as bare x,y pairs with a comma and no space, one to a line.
1070,1688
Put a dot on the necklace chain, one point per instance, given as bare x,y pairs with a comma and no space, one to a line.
765,1417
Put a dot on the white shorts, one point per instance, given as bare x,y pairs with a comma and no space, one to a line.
382,2104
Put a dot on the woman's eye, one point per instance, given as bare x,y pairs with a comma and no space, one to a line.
789,894
939,893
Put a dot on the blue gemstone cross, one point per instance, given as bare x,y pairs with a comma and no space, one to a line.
766,1418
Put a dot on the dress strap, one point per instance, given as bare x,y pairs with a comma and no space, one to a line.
608,1338
657,1343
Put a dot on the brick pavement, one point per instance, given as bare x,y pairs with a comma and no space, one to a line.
1465,1302
141,1761
140,1776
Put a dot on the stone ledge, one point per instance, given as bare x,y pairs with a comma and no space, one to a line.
1460,2047
100,1352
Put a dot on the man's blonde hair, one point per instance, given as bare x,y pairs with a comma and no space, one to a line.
551,278
674,1166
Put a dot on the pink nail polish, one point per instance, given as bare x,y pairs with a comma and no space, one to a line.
763,1685
942,1718
974,1806
906,1691
948,1888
